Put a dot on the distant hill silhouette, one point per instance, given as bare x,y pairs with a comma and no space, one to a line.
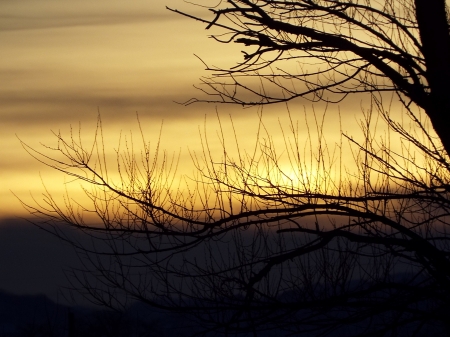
22,245
38,316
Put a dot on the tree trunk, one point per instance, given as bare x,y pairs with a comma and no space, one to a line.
434,34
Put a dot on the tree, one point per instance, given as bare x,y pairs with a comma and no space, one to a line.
246,246
350,47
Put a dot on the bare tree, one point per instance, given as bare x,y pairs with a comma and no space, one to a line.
246,246
328,49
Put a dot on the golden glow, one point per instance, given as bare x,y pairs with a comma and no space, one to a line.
64,61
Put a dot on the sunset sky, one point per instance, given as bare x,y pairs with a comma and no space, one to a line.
63,61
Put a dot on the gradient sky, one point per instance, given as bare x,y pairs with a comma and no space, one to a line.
62,61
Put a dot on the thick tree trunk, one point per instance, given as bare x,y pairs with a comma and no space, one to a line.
434,34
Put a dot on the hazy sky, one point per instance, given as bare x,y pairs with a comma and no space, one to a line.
62,61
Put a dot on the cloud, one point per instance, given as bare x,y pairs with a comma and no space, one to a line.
42,107
58,14
12,23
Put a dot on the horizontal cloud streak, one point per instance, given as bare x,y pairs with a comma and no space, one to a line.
11,23
56,14
43,107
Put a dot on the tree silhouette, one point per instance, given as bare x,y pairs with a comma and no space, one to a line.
248,246
327,49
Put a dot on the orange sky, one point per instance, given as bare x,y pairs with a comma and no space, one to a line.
64,60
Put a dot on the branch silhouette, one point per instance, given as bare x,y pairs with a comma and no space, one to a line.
246,246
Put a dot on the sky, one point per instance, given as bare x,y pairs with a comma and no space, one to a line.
64,62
